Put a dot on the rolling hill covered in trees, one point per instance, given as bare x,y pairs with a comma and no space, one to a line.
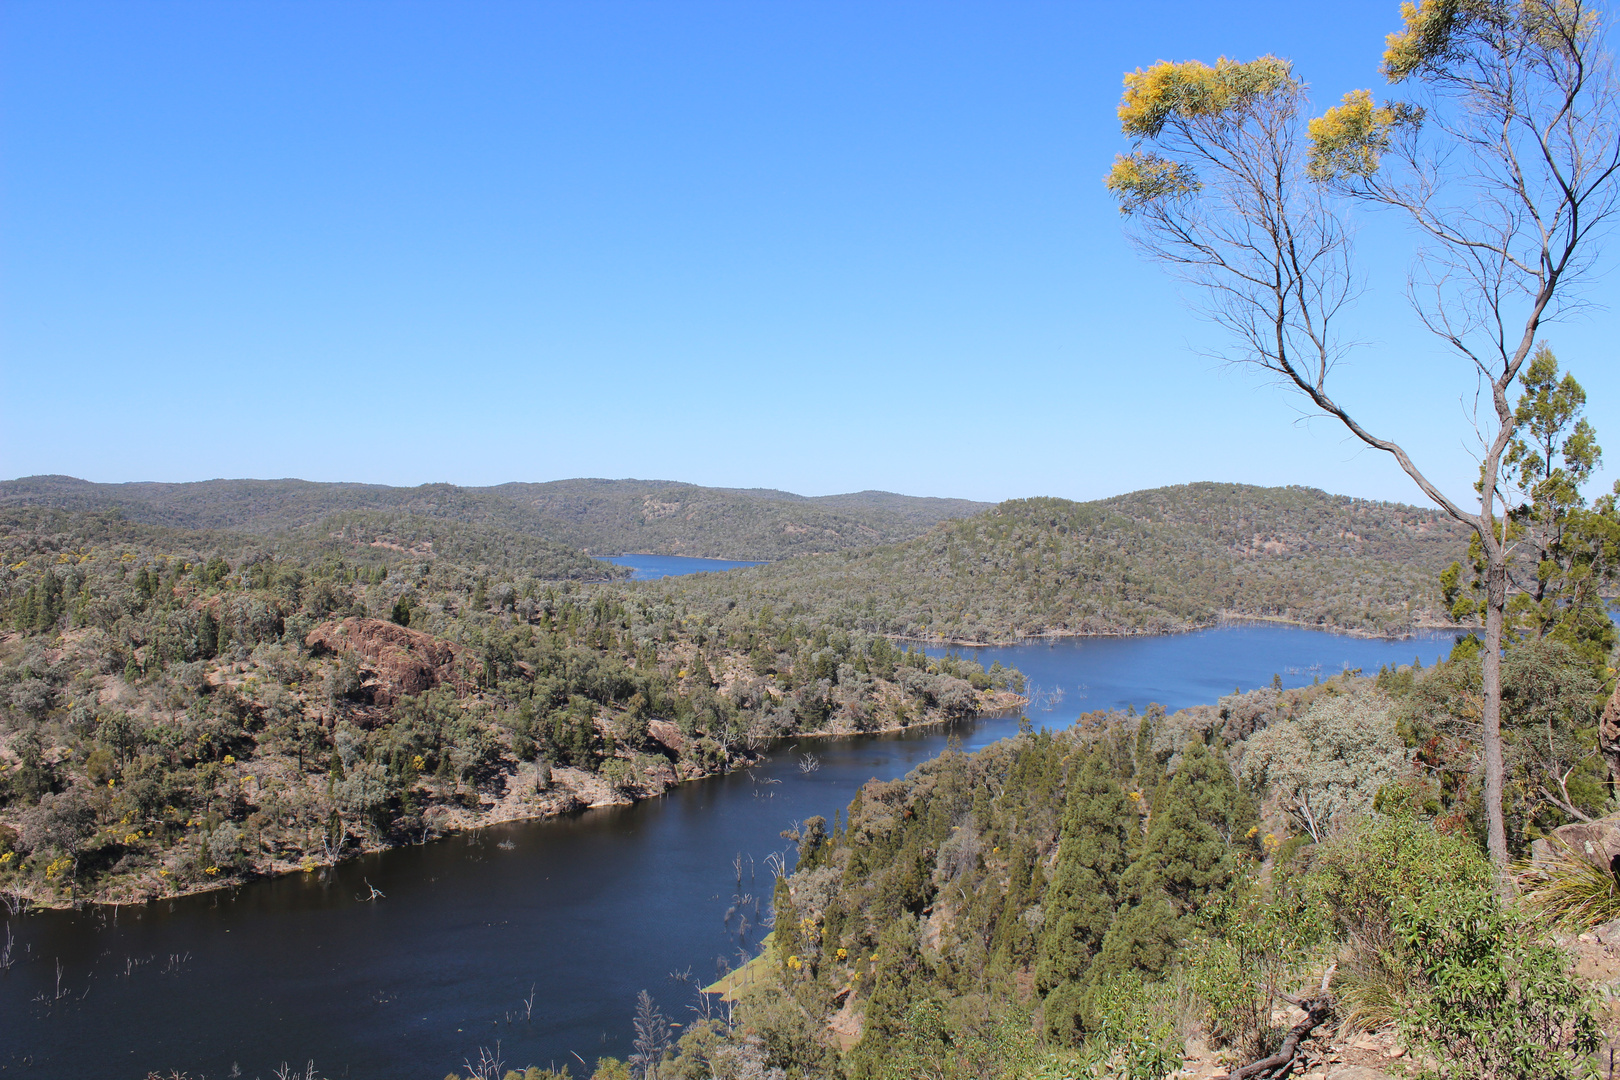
1148,562
600,517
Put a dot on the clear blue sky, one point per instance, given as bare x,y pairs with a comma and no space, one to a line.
816,246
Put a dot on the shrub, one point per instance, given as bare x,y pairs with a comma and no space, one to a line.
1484,996
1256,949
1138,1033
1328,764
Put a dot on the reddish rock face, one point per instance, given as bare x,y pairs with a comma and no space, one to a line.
1609,734
668,735
402,661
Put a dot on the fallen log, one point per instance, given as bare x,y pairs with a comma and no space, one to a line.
1317,1009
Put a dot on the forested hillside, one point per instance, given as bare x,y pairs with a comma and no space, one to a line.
601,517
1148,562
180,709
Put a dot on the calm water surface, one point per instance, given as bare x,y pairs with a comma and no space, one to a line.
653,567
586,910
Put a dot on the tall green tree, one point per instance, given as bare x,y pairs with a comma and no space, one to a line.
1504,157
1192,839
900,979
1575,548
1564,551
1093,852
1189,856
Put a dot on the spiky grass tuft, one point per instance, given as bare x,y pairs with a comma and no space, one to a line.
1372,985
1571,891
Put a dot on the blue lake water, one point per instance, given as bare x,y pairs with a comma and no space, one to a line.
1069,676
653,567
580,912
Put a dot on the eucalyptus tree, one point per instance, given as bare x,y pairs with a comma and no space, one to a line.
1503,157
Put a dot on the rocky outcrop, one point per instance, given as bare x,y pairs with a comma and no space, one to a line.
398,660
1609,734
667,735
1597,840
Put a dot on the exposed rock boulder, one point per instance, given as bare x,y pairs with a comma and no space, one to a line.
1609,734
667,735
400,661
1597,840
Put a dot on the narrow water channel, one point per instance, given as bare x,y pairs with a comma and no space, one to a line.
535,935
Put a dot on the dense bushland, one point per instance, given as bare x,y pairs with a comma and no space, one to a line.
179,709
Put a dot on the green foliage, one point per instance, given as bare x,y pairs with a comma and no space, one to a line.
934,1043
1254,947
1136,1034
1571,551
1550,696
1329,764
1084,892
1189,853
537,523
926,912
1484,994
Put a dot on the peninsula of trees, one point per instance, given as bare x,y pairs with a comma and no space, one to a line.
182,708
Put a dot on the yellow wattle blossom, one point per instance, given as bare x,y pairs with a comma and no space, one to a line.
230,759
1426,33
132,838
842,954
211,870
1191,89
1349,139
6,857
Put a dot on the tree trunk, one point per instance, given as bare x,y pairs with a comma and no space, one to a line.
1491,718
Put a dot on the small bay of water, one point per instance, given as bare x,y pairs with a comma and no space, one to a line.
1068,676
653,567
574,914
